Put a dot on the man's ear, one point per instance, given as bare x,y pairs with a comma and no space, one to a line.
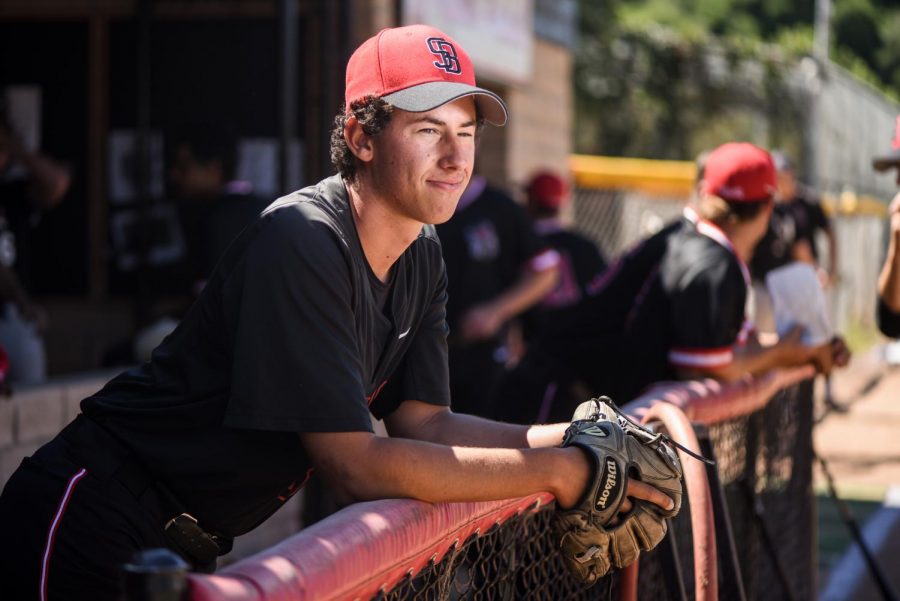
359,142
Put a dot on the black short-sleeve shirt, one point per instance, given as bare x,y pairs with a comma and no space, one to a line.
809,218
775,248
291,334
689,317
676,301
581,266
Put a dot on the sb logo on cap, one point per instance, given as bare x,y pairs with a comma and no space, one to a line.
447,53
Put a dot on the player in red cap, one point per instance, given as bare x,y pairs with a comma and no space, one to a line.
687,319
581,263
328,308
581,266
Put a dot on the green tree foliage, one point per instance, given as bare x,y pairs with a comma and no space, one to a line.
855,27
669,78
654,80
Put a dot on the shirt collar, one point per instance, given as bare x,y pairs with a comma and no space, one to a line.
714,232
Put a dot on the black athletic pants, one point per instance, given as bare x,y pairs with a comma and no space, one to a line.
68,521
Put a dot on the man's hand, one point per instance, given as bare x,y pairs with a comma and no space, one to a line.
840,353
825,356
604,528
480,323
792,351
575,484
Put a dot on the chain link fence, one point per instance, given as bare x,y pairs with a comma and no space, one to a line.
764,530
850,122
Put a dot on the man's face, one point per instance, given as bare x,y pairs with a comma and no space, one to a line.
422,162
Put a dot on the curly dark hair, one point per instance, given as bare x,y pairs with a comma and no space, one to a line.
373,113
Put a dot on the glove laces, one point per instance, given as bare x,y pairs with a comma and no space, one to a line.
642,432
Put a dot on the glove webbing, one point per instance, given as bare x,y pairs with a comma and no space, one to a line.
644,434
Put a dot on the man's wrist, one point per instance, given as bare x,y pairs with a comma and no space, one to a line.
571,478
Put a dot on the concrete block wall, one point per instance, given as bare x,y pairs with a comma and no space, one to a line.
33,415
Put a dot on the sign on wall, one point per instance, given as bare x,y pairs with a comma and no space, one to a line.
497,34
555,20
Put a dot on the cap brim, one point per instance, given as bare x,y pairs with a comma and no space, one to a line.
428,96
885,162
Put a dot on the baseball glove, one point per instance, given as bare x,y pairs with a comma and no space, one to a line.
620,449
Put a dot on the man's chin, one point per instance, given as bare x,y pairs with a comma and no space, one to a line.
444,212
445,216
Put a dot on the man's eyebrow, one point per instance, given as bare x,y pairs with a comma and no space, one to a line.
434,121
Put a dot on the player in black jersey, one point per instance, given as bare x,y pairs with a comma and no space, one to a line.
688,319
581,264
329,306
552,376
497,267
535,389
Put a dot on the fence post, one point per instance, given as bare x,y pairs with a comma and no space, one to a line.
155,575
706,575
725,543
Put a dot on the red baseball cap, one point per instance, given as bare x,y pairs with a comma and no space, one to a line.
740,172
417,68
892,158
547,190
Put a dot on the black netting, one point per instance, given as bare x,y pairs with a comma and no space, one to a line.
764,465
516,560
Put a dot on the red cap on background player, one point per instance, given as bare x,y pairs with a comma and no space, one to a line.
547,190
740,172
417,68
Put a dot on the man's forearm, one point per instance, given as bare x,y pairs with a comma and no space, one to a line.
471,431
525,293
437,473
748,361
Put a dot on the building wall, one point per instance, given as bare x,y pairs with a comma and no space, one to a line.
539,133
367,17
